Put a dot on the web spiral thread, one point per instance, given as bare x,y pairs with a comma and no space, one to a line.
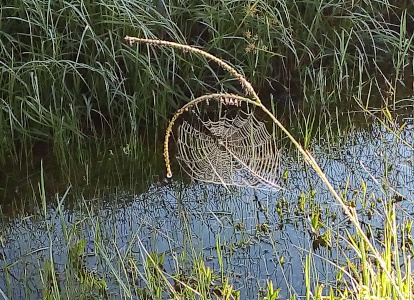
231,151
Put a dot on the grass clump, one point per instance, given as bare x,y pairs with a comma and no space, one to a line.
65,79
361,277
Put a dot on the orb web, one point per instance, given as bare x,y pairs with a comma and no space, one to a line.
233,150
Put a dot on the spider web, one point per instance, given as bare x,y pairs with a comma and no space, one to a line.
230,151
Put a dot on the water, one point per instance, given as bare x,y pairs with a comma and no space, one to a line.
263,235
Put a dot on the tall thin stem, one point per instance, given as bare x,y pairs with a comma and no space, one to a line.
256,101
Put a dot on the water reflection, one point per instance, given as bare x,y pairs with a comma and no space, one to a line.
262,234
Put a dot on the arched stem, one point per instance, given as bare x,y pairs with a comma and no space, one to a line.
351,214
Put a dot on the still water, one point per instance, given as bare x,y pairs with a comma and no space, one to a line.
261,235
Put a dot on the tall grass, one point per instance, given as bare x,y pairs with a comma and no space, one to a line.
67,75
65,79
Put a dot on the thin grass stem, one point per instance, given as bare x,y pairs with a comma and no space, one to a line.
351,213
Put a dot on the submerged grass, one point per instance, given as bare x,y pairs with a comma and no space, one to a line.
70,83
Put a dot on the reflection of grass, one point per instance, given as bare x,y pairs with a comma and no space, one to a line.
68,80
126,259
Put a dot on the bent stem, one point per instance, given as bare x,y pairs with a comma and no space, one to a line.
351,214
248,88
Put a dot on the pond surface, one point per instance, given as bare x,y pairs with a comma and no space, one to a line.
261,235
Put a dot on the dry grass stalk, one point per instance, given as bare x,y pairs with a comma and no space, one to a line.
245,84
351,213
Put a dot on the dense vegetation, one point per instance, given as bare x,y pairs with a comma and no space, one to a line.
68,76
